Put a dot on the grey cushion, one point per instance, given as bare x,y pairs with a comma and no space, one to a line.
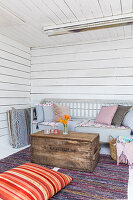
48,113
40,113
20,136
128,120
119,115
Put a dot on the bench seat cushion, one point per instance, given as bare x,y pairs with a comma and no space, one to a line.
45,125
104,132
31,182
88,126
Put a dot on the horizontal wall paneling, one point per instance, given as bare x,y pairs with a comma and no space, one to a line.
14,79
102,70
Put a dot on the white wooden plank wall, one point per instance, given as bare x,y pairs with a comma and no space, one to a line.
101,70
14,80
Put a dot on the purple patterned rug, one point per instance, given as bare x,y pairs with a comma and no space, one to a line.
108,181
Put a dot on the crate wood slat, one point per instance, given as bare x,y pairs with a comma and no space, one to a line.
73,151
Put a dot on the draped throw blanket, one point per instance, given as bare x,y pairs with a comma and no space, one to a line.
19,123
124,147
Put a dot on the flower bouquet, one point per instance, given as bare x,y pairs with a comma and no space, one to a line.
64,120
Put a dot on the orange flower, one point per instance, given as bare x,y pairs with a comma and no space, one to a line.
65,119
60,120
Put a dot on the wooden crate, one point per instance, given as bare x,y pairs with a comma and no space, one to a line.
76,150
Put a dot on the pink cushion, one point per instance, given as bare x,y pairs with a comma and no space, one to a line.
60,111
106,114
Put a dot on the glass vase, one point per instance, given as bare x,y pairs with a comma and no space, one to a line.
65,130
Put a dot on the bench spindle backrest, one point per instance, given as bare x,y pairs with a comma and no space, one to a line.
85,108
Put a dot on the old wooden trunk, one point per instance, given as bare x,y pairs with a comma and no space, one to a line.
73,151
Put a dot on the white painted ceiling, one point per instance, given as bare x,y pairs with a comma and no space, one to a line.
39,13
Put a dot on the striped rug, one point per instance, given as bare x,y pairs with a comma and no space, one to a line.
108,181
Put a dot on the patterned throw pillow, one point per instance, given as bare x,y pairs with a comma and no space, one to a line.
60,111
48,112
31,182
106,115
119,115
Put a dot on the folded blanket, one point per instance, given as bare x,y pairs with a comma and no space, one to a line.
125,153
19,123
124,139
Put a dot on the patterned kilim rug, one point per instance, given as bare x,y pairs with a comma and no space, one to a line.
108,181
